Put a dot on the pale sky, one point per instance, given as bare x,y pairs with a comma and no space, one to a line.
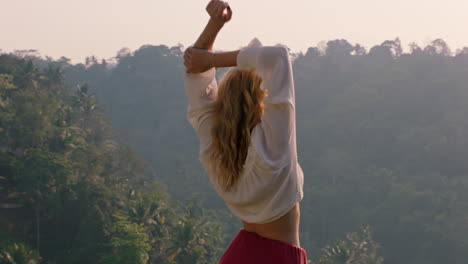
77,29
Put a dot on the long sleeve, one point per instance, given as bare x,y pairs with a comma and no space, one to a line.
273,65
275,137
201,90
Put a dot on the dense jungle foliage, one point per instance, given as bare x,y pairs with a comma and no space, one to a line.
382,139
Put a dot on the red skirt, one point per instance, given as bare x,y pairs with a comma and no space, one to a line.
250,248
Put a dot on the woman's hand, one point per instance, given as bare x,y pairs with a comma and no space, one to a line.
216,10
198,60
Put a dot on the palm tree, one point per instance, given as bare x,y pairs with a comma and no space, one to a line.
19,254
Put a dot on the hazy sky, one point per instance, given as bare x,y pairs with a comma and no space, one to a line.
77,29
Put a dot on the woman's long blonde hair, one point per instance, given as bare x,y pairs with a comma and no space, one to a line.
237,110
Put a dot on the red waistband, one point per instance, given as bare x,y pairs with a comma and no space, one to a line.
251,248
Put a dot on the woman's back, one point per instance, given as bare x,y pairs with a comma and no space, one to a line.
272,180
285,229
255,171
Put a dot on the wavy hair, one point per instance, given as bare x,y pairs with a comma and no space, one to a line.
236,111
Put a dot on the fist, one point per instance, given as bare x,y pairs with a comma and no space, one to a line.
198,60
219,11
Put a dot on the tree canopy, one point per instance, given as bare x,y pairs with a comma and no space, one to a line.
382,139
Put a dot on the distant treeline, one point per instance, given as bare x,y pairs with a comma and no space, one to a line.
382,138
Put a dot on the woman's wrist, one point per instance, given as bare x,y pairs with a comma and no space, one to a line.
216,24
224,59
212,59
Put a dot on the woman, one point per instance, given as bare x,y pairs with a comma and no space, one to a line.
247,134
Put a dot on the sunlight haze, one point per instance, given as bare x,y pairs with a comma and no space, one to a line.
77,29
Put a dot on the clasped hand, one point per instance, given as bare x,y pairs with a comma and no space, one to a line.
216,8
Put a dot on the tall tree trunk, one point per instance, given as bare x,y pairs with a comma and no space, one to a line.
37,228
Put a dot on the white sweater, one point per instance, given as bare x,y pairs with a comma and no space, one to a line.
272,180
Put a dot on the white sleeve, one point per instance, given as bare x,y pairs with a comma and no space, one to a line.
273,65
201,90
275,136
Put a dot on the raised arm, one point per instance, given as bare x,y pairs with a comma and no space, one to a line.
200,57
273,64
218,17
201,86
275,137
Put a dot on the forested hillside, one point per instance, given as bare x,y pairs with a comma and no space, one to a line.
382,139
69,193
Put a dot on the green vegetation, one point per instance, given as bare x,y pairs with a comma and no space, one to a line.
381,138
71,194
358,248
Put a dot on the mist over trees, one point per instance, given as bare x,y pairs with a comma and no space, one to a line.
382,139
70,193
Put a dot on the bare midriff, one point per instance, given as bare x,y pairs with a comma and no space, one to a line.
284,229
